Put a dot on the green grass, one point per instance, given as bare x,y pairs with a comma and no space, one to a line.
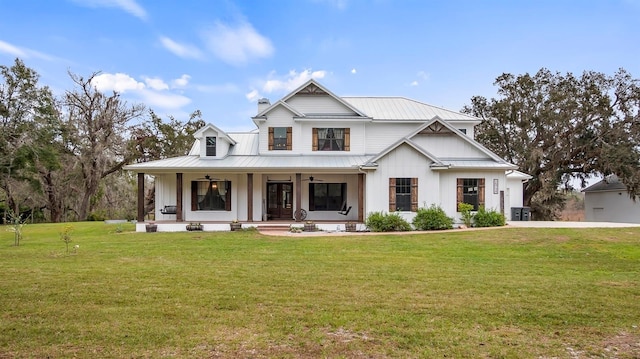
499,293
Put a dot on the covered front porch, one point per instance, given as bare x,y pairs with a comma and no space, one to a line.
215,199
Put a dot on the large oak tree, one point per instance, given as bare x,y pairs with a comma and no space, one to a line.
560,128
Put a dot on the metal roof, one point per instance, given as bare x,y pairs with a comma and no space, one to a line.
610,183
255,163
477,164
246,144
400,108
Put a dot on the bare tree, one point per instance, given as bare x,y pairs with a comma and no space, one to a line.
100,126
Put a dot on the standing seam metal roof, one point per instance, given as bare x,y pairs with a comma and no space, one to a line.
400,108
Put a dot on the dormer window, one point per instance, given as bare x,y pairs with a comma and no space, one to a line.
211,146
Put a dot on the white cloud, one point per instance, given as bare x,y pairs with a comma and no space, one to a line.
286,83
156,83
12,50
237,45
292,80
254,95
181,50
23,53
353,71
422,76
118,82
130,6
163,100
183,81
154,92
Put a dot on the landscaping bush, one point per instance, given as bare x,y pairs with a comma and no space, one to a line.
382,222
432,218
465,213
490,218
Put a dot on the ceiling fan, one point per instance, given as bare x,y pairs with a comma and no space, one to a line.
207,178
312,179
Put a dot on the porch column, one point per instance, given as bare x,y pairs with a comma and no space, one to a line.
140,197
298,196
249,197
179,216
360,197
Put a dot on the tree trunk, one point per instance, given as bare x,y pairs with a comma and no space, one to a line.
54,202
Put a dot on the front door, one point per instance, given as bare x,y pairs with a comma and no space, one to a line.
280,201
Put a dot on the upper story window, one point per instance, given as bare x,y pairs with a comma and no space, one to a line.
331,139
280,138
211,146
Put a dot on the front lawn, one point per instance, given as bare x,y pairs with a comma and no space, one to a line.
498,293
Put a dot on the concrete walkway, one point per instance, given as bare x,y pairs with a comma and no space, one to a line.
563,224
510,224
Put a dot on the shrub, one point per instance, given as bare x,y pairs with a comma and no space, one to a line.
465,212
432,218
490,218
381,222
96,216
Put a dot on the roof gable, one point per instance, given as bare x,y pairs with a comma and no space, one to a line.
277,104
313,88
404,141
438,127
211,128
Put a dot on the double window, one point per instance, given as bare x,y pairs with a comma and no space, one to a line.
210,195
327,196
403,194
280,138
471,191
331,139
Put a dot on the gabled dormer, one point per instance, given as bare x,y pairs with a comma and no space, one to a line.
214,143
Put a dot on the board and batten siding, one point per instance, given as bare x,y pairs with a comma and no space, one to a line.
379,136
448,146
448,189
318,104
402,162
278,117
356,136
202,216
165,194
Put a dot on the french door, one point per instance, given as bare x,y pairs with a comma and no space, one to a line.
280,200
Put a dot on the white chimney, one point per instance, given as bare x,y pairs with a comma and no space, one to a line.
263,104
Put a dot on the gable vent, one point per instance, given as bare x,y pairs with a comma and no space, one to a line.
312,90
436,128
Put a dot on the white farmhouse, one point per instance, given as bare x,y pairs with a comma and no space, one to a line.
317,156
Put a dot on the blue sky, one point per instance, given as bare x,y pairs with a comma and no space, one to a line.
219,57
